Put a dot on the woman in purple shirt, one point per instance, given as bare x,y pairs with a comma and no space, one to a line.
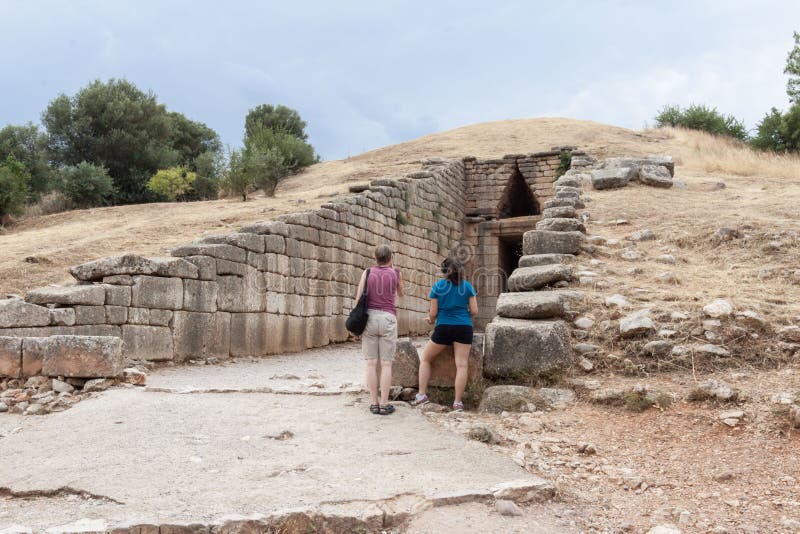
379,340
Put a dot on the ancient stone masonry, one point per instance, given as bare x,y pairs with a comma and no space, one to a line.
287,284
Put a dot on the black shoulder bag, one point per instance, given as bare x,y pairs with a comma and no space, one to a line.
357,320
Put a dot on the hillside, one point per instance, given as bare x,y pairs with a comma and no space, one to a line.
39,250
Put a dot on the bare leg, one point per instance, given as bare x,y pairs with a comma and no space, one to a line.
432,350
461,353
386,381
372,379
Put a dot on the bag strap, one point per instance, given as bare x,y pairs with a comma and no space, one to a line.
366,279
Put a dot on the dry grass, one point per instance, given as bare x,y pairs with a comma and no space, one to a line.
700,151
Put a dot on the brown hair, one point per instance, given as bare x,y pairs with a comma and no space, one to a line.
453,270
383,254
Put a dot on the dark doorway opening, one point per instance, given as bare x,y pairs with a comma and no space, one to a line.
517,199
510,253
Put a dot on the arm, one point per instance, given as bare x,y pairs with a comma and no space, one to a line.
473,306
400,290
434,311
360,289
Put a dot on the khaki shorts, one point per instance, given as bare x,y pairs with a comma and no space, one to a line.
379,339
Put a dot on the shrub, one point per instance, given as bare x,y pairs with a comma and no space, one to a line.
564,163
700,117
172,183
48,204
266,167
86,185
295,152
13,187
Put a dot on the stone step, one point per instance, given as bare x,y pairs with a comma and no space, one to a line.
561,224
531,305
547,242
535,260
518,348
532,278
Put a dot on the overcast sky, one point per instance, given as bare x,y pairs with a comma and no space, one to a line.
365,74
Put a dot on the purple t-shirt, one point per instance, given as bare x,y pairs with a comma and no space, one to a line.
382,288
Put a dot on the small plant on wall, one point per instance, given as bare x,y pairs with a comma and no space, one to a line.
564,164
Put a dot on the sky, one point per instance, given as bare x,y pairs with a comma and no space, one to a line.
366,74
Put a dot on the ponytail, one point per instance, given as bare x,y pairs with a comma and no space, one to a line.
453,270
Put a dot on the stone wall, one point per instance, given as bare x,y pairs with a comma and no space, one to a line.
288,284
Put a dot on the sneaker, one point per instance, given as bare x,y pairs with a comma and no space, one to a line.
419,400
458,406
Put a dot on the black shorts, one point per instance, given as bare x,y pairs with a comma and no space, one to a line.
447,334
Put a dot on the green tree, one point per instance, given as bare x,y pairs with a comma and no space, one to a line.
778,131
210,169
87,185
295,152
793,70
190,138
28,145
13,187
172,183
278,118
127,131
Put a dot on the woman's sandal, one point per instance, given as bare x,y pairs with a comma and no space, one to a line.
386,409
375,408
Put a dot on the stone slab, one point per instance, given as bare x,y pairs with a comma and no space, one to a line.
545,242
157,292
531,305
133,264
532,278
517,348
201,335
545,259
73,356
87,295
16,313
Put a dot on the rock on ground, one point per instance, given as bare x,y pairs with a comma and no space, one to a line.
655,176
612,178
520,348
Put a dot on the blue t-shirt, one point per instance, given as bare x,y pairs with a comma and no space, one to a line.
453,302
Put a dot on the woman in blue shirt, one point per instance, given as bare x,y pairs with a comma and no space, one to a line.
453,304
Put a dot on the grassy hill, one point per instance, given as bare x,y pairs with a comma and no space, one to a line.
761,188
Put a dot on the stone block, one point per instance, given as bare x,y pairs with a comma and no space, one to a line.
561,225
206,266
545,259
274,243
545,242
90,315
560,203
116,314
62,317
160,317
118,295
517,348
221,252
532,278
10,357
118,280
225,267
405,369
89,295
531,305
151,343
245,240
560,212
613,178
242,293
18,313
200,296
655,176
201,335
156,292
267,228
132,264
139,316
44,331
248,334
73,356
